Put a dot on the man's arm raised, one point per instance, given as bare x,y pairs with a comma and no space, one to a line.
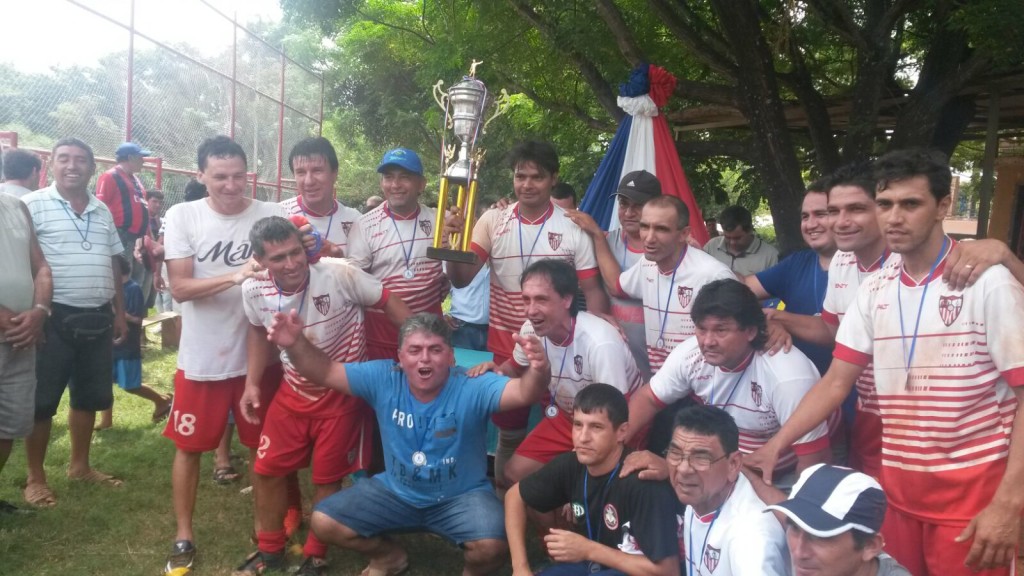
313,363
530,387
822,399
606,262
184,287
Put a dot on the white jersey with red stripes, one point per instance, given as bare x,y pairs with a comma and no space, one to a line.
845,275
595,352
392,248
334,227
331,308
946,422
760,394
671,326
511,244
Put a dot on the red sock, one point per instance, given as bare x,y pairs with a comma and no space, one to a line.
314,547
271,542
292,521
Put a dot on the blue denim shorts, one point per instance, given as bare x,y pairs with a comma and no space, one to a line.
370,509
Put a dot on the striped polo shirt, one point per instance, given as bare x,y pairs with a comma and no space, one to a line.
81,278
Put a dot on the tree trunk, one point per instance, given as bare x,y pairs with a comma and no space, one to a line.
775,156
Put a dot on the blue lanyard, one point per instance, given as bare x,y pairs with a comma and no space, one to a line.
412,244
88,221
522,255
690,563
604,495
711,401
302,302
625,248
330,221
668,298
565,354
927,280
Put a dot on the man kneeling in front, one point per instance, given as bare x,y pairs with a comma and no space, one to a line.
624,525
433,424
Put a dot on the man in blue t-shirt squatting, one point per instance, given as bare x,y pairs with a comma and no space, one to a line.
433,424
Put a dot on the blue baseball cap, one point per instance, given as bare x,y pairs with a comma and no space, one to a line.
403,158
131,149
829,500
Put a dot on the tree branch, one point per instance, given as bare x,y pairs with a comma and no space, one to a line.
612,17
720,94
570,109
703,149
426,39
606,97
838,17
895,12
690,37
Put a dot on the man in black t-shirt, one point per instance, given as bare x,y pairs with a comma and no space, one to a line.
623,525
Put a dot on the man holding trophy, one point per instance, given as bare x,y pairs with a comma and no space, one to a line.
531,229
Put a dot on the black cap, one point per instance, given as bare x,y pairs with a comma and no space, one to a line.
639,186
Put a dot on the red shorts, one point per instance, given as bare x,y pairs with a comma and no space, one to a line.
201,408
926,549
339,445
865,450
551,437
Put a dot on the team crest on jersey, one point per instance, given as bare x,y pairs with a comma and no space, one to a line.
322,304
346,227
685,294
426,227
949,308
577,362
711,557
554,240
756,393
577,510
611,517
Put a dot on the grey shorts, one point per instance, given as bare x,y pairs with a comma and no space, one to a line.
17,391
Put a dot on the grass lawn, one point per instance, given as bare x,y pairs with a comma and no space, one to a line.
97,530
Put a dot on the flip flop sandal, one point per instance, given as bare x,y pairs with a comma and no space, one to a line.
225,475
94,476
259,563
161,413
39,495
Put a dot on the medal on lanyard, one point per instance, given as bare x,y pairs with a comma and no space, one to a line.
409,273
909,359
552,410
664,319
86,245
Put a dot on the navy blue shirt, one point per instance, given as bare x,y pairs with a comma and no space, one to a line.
800,282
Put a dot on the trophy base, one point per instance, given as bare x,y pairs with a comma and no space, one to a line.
450,255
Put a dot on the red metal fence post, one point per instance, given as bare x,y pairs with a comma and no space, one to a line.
280,128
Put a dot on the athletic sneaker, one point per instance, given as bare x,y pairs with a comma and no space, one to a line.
179,563
312,566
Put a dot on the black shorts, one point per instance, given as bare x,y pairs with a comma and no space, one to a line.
82,360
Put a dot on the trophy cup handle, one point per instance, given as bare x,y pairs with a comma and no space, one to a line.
501,104
440,96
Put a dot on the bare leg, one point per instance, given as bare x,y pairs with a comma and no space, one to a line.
484,556
271,498
382,552
222,457
519,467
148,393
106,419
80,425
184,484
35,455
508,441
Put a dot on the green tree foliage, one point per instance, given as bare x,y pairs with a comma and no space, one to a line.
863,75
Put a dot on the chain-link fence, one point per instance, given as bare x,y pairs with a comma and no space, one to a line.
166,87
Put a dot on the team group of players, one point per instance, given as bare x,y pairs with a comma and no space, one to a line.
937,366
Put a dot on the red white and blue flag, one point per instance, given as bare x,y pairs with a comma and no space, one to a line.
642,142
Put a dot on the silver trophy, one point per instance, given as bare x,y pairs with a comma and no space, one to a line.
464,105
